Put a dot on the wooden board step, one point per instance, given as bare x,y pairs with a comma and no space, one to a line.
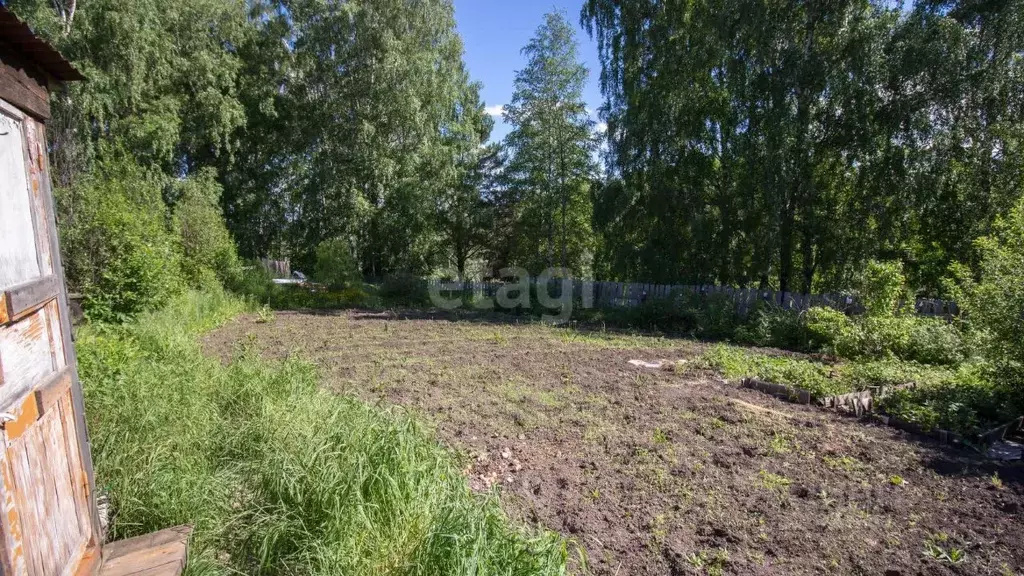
161,553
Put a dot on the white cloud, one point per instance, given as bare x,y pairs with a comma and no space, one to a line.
494,110
602,127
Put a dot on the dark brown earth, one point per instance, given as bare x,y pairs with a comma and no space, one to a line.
669,471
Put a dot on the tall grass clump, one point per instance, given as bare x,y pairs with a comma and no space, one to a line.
277,475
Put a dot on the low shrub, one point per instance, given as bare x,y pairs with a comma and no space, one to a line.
355,296
936,341
867,374
924,340
772,325
711,316
118,250
818,378
404,290
209,257
276,474
834,332
335,266
968,401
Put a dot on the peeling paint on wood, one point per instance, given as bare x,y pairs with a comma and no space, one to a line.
35,136
10,521
46,495
76,471
18,250
23,418
56,336
27,355
48,524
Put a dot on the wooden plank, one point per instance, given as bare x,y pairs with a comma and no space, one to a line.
53,389
26,350
4,316
89,564
18,252
39,546
50,471
12,549
55,333
46,486
24,298
18,87
35,150
80,482
157,554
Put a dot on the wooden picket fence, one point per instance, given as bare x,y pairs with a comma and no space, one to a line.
629,294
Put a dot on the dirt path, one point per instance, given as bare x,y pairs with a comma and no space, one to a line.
664,471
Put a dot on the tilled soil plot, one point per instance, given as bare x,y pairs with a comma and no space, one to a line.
664,471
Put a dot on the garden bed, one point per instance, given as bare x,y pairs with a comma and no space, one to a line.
656,471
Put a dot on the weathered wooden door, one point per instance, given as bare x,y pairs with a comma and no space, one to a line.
47,519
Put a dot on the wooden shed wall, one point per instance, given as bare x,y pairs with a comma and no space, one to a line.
48,524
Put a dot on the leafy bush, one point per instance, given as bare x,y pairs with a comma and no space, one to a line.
335,266
936,341
117,249
404,290
872,373
884,336
994,301
925,340
253,281
276,474
354,296
208,251
716,314
968,402
772,325
834,332
711,316
882,287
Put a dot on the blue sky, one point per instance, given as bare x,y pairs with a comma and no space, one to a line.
494,32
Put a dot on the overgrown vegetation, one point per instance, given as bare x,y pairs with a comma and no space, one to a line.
276,474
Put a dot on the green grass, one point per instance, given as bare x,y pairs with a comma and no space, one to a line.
276,475
962,399
734,362
819,378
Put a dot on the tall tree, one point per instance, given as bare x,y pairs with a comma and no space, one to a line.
352,133
463,215
162,82
551,152
785,144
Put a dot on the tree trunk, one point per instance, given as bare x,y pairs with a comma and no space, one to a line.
786,248
563,192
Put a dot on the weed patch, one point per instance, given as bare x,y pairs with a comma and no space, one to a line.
276,475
